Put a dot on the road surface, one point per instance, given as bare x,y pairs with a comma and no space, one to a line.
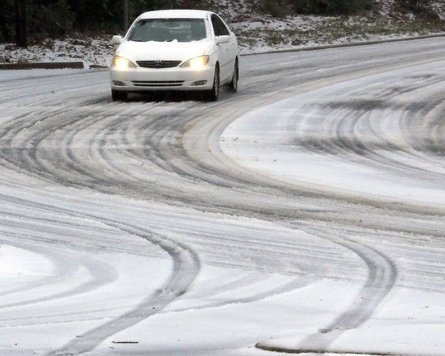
304,214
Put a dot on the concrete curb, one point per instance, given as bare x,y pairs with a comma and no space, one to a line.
341,45
42,65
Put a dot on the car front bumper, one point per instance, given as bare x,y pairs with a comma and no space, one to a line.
147,79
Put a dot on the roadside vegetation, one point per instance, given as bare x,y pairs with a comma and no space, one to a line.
81,28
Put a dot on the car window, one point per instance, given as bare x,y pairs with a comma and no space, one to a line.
219,28
168,30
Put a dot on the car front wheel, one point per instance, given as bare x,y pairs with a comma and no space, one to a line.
233,85
213,94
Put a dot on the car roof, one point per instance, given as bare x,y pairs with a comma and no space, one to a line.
176,14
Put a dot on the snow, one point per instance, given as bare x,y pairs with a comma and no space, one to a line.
8,75
19,264
414,327
278,154
263,220
90,50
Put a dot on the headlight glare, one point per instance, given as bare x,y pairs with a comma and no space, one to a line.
197,63
121,63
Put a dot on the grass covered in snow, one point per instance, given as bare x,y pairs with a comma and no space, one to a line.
303,31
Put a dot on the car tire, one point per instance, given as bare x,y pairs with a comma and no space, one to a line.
213,94
117,95
233,85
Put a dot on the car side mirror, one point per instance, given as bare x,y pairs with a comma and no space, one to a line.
222,39
117,39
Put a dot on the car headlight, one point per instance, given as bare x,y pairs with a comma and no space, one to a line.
197,63
121,63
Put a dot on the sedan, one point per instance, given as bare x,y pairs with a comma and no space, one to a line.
175,50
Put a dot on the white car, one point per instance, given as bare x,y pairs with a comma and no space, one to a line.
175,50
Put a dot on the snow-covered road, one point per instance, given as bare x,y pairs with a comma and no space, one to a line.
304,214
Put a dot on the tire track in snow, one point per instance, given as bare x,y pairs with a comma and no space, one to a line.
255,297
345,124
65,267
381,277
100,134
185,268
353,317
188,168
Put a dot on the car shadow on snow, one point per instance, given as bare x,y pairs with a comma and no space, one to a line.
173,96
168,96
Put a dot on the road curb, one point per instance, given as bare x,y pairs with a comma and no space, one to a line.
41,65
341,45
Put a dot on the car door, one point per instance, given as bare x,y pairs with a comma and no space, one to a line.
233,45
225,53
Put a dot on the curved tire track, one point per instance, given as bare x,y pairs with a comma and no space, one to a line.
185,268
381,278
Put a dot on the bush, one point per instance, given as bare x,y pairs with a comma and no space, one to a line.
411,5
316,7
277,8
331,7
422,8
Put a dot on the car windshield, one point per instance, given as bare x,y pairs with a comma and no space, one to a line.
167,30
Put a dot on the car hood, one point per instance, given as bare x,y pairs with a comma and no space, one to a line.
152,51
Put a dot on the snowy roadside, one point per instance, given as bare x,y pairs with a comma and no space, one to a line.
313,31
255,34
89,50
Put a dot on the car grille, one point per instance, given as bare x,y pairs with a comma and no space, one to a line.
158,64
164,83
